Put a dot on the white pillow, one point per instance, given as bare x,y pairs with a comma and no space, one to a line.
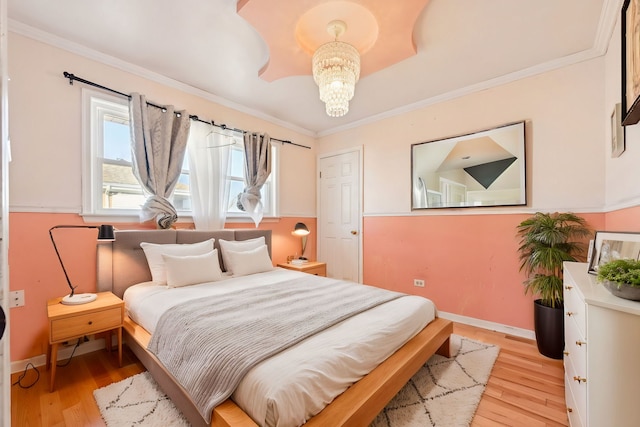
248,262
154,252
193,269
238,246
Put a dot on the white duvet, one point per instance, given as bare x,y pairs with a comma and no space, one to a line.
288,389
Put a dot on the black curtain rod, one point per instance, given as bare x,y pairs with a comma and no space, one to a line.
73,77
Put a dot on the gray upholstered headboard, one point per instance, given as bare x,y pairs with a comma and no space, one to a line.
122,263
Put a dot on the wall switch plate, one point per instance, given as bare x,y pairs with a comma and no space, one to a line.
418,282
16,299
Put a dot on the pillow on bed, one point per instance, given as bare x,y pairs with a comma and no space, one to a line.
193,269
248,262
154,252
238,246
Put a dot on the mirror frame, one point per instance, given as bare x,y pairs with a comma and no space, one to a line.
480,159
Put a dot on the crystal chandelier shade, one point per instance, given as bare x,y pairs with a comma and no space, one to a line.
336,69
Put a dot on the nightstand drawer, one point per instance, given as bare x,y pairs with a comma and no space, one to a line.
85,324
320,270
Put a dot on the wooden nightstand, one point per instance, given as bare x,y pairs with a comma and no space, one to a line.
311,267
68,322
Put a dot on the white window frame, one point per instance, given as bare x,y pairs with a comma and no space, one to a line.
92,144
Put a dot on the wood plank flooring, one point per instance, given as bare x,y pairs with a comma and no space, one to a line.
525,388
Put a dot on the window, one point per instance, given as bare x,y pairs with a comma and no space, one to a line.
235,181
109,185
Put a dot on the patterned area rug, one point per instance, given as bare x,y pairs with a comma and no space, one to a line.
443,393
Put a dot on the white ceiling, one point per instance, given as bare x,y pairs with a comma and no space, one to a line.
463,45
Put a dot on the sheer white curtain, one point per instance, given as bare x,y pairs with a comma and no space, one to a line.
158,146
208,164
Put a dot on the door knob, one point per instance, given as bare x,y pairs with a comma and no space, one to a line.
354,232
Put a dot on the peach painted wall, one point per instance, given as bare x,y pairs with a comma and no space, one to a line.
469,262
34,266
623,220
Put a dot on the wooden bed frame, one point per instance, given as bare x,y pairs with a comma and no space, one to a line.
125,265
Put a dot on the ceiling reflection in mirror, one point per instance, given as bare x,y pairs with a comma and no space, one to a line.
485,168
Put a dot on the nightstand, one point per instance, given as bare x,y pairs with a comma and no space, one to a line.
311,267
69,322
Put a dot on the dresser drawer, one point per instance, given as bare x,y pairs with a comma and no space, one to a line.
574,307
577,389
575,347
85,324
573,413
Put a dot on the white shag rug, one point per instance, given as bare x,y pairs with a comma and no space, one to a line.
443,393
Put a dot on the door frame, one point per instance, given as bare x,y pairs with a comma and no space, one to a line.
360,150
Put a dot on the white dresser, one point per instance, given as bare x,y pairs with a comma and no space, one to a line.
602,353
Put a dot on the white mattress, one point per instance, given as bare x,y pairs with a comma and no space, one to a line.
291,387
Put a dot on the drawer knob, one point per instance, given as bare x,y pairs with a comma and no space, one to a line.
579,379
569,409
91,322
570,313
566,353
580,343
568,287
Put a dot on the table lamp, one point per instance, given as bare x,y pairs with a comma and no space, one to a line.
105,234
301,230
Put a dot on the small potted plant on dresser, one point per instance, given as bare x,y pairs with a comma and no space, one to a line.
546,241
621,277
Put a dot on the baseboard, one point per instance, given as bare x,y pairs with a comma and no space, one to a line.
63,354
492,326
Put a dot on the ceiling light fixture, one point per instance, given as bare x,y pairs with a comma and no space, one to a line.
336,69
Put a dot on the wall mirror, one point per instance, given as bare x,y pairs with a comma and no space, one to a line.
485,168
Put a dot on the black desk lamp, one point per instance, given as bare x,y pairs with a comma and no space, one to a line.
301,230
105,234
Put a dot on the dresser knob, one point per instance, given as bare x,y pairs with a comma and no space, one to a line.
568,287
91,322
570,313
566,353
569,409
580,343
580,379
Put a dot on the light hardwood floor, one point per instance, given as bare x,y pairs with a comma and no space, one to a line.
525,388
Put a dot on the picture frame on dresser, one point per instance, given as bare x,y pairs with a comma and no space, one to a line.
630,54
610,245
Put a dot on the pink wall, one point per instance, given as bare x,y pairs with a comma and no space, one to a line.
34,266
623,220
469,262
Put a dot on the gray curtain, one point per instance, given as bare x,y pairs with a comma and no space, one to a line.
158,145
257,167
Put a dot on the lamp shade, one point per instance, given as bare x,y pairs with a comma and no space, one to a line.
105,233
300,229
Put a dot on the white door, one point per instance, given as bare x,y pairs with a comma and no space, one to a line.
339,219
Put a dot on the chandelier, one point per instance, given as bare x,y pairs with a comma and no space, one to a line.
336,69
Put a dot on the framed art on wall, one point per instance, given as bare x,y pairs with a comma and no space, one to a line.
630,41
610,245
617,132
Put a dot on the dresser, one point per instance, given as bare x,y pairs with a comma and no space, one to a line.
602,353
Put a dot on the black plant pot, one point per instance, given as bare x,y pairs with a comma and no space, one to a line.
549,328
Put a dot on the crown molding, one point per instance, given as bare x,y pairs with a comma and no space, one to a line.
81,50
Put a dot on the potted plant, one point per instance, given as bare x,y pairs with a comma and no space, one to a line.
621,277
546,241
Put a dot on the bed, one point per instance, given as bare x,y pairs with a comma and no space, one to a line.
124,265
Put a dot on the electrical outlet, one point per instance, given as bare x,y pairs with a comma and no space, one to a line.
418,282
16,299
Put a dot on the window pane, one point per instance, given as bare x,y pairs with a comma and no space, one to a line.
237,163
117,140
